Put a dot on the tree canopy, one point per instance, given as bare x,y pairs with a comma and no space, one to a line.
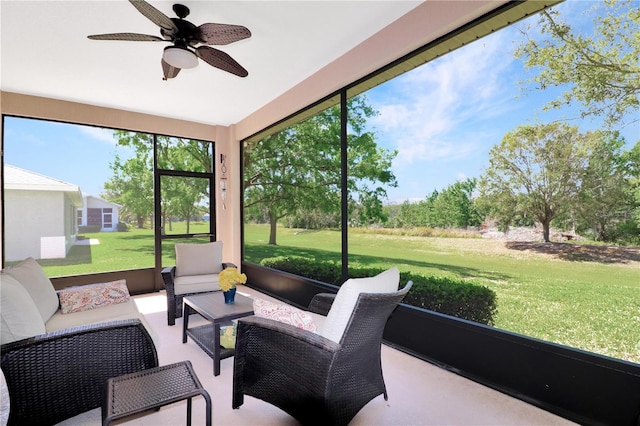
600,71
132,182
538,166
453,207
296,172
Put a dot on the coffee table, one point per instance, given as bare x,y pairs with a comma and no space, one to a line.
211,306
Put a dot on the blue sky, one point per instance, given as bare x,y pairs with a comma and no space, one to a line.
443,118
84,151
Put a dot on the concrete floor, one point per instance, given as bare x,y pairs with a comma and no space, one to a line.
419,393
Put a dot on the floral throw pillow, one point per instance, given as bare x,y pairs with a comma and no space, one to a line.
284,313
86,297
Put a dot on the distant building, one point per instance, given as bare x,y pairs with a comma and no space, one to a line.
40,215
98,212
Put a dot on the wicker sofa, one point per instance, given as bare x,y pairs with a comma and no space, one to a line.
31,306
322,377
58,375
58,348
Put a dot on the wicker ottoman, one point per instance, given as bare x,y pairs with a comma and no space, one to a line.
152,388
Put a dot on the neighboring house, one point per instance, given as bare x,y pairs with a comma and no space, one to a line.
98,212
40,215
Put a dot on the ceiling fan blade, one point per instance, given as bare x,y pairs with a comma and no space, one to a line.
169,71
125,37
154,15
221,33
221,60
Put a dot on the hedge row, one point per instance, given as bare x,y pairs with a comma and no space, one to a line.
458,298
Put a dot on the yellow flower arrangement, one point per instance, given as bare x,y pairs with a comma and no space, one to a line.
230,277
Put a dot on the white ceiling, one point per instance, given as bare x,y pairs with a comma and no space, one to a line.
45,52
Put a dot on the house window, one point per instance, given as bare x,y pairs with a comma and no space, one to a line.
107,218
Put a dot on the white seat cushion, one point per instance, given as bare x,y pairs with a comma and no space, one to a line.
198,259
342,307
115,312
31,275
196,283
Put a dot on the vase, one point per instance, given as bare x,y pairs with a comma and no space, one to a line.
229,295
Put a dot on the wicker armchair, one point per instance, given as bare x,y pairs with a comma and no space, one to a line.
174,301
58,375
315,379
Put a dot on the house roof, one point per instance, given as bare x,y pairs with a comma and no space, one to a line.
16,178
101,200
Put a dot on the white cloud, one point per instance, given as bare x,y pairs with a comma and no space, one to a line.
98,134
432,109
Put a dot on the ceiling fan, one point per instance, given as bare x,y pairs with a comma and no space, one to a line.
186,38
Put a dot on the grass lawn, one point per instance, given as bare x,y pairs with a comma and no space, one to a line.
591,303
113,251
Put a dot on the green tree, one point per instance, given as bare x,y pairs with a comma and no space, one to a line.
132,187
182,198
539,166
633,160
454,206
605,197
601,71
297,171
132,182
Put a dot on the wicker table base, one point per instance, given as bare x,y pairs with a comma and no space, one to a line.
153,388
212,307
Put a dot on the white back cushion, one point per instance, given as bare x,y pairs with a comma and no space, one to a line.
342,307
30,274
198,259
20,317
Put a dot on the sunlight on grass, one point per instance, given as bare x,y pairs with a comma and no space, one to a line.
588,305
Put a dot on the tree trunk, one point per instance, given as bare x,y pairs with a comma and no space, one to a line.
273,222
140,220
545,231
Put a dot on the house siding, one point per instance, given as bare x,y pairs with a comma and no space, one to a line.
23,209
95,211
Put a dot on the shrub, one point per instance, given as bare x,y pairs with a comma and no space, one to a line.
122,227
457,298
452,297
326,272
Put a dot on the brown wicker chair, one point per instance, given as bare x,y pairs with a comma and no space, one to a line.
316,380
58,375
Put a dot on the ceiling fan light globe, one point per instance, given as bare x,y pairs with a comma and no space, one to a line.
179,57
